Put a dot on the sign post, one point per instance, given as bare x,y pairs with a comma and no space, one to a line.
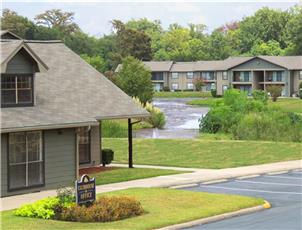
85,190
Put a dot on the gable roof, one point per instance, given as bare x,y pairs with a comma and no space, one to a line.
10,48
9,34
70,94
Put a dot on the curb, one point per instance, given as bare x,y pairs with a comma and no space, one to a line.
207,220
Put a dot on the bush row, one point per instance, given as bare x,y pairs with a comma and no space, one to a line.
251,119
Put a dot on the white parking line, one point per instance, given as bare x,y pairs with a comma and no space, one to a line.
285,177
263,182
252,190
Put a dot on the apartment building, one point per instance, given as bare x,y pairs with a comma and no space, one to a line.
244,73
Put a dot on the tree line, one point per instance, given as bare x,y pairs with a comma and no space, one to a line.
266,32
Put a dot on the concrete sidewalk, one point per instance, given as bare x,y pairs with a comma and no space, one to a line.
194,176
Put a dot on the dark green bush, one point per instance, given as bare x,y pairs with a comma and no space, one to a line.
107,156
177,90
104,209
166,89
188,90
214,92
251,119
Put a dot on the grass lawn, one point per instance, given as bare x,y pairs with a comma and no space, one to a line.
201,153
182,94
163,207
286,104
126,174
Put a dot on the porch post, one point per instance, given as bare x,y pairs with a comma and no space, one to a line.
130,159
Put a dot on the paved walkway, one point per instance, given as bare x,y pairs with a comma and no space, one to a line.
197,176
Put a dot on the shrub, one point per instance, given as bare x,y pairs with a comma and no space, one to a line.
177,90
271,125
214,92
166,89
104,209
44,208
157,118
300,85
188,90
260,95
107,156
66,195
275,91
198,83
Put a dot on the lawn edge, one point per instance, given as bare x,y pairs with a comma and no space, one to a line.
219,217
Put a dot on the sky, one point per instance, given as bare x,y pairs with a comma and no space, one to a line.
94,17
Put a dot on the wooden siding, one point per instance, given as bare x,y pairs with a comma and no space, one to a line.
60,165
21,63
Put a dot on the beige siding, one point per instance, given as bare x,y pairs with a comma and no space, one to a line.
182,80
220,82
296,80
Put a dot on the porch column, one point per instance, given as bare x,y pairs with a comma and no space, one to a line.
130,158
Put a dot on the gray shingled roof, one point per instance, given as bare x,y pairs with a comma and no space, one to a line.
71,93
183,67
163,66
288,62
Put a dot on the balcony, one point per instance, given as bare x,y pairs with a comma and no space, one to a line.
242,77
157,76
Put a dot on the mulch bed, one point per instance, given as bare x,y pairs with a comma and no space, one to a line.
96,169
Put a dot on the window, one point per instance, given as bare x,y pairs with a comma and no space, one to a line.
300,75
174,86
157,76
174,75
190,86
190,75
225,75
224,88
279,76
84,145
210,86
207,75
16,90
25,160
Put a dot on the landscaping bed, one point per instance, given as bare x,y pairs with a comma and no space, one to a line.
162,207
198,153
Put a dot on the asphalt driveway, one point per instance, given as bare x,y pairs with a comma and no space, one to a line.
283,191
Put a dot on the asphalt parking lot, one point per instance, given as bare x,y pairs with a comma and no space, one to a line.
283,191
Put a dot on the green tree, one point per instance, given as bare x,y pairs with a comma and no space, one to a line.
131,42
219,46
265,25
96,61
294,31
135,80
267,48
17,24
58,19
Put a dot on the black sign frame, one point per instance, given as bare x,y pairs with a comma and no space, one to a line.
85,190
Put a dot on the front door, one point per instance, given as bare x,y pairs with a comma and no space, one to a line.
84,145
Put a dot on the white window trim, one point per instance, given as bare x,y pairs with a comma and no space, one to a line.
175,77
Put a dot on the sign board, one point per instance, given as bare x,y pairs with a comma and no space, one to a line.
85,190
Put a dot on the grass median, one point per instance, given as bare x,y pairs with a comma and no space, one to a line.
125,174
198,153
163,207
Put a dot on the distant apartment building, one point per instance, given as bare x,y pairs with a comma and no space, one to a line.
244,73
